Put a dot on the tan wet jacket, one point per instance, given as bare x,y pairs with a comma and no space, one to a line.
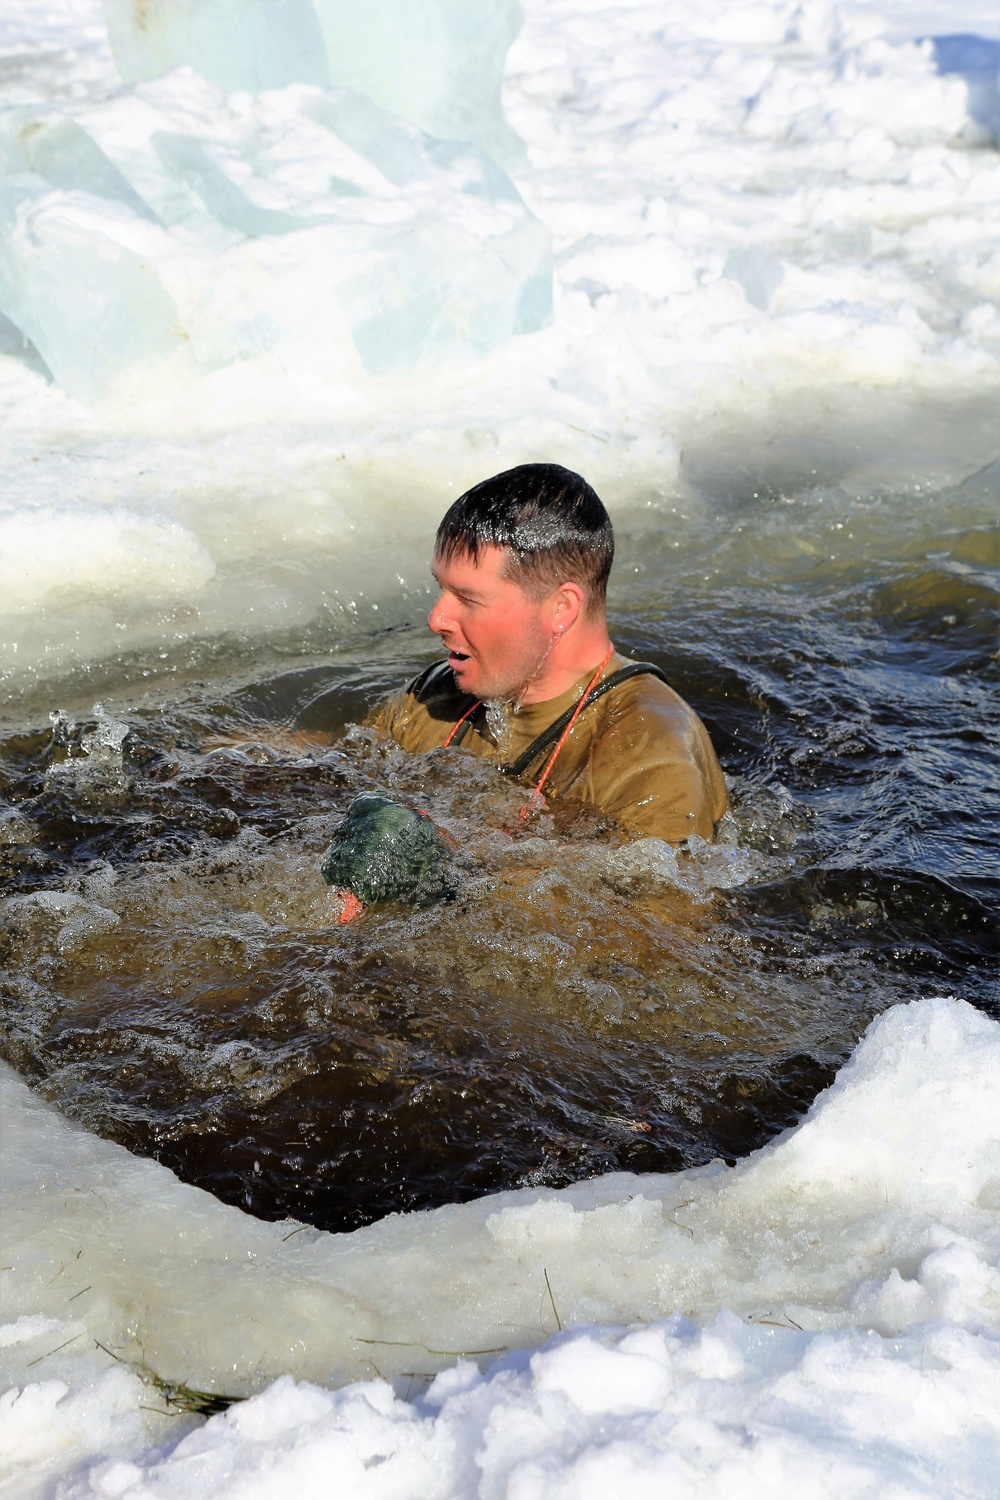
639,753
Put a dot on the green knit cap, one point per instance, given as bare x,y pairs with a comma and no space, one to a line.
383,851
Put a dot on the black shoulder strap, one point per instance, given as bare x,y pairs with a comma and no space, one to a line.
432,676
551,734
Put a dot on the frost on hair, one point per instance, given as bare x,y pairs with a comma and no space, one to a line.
550,521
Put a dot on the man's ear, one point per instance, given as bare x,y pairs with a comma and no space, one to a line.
567,606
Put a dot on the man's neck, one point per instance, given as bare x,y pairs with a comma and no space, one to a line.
572,655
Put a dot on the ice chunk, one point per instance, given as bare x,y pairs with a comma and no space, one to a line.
57,150
15,345
262,44
91,305
171,232
189,161
439,63
757,272
42,232
373,134
94,758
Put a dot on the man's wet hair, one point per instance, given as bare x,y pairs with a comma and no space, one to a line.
551,522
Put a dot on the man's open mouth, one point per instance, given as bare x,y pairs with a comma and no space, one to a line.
457,656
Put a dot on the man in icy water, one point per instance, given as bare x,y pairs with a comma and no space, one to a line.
532,682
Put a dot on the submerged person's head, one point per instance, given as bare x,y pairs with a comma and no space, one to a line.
522,560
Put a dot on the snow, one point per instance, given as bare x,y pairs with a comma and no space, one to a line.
669,1408
823,1318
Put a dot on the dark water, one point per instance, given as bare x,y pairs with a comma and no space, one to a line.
170,975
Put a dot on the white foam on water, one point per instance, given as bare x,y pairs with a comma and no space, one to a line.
824,1318
775,228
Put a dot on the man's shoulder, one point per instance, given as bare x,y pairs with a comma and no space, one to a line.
652,763
645,690
649,718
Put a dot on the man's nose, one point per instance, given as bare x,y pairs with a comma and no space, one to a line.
437,620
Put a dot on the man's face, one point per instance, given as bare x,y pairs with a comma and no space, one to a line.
497,638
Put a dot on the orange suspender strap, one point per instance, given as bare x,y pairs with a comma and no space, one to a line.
566,732
457,726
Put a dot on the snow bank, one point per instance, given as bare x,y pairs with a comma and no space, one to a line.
669,1408
823,1318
